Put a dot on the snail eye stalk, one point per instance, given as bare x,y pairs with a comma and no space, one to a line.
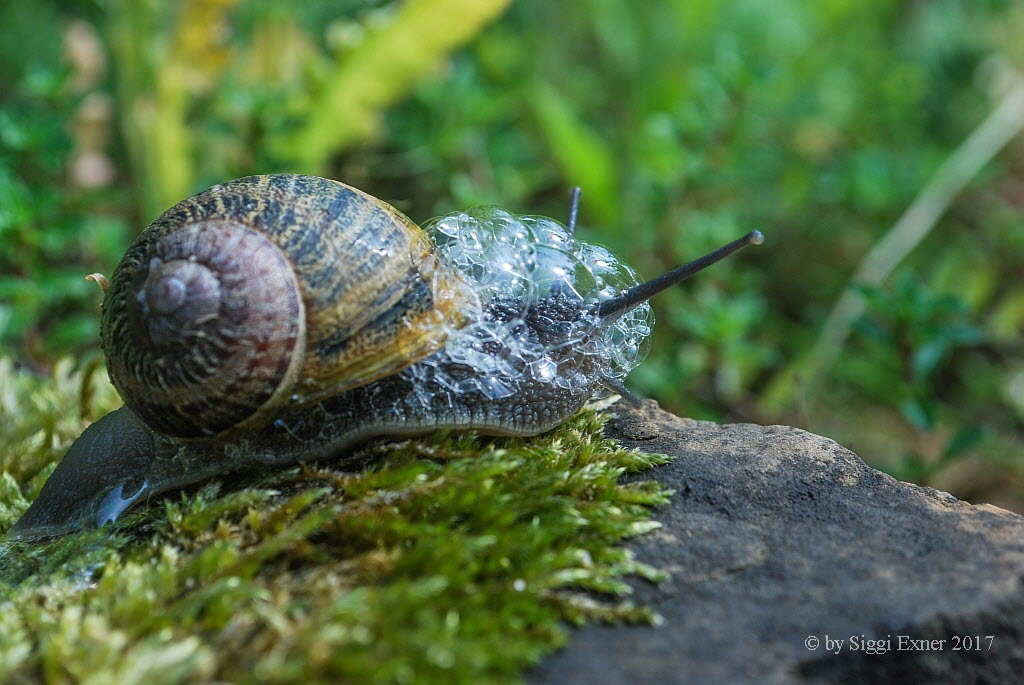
574,209
640,293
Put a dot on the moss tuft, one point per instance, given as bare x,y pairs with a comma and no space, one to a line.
452,558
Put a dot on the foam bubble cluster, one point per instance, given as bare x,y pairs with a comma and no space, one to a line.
539,287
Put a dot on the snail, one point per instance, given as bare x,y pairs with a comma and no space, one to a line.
285,318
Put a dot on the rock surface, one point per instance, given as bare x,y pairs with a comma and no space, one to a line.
777,537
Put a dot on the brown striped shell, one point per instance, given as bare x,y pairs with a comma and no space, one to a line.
270,290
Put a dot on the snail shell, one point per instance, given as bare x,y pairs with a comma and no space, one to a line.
269,290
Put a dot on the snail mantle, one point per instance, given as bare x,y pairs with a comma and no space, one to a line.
778,540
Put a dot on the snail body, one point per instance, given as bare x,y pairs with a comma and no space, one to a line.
284,318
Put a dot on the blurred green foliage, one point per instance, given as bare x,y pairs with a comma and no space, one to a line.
687,122
908,334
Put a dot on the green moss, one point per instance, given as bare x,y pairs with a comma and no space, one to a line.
451,559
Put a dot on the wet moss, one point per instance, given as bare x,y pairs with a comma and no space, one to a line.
453,558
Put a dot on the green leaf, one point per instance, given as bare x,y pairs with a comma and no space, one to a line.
963,440
920,412
584,157
377,72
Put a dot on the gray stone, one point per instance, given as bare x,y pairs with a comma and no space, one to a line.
775,535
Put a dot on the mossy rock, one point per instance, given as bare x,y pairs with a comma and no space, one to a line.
453,558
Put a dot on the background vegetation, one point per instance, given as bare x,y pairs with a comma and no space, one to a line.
687,122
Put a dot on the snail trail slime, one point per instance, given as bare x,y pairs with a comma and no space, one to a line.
283,318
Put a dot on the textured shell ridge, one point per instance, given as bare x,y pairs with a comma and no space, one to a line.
366,306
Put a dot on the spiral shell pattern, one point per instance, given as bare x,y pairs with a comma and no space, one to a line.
270,290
